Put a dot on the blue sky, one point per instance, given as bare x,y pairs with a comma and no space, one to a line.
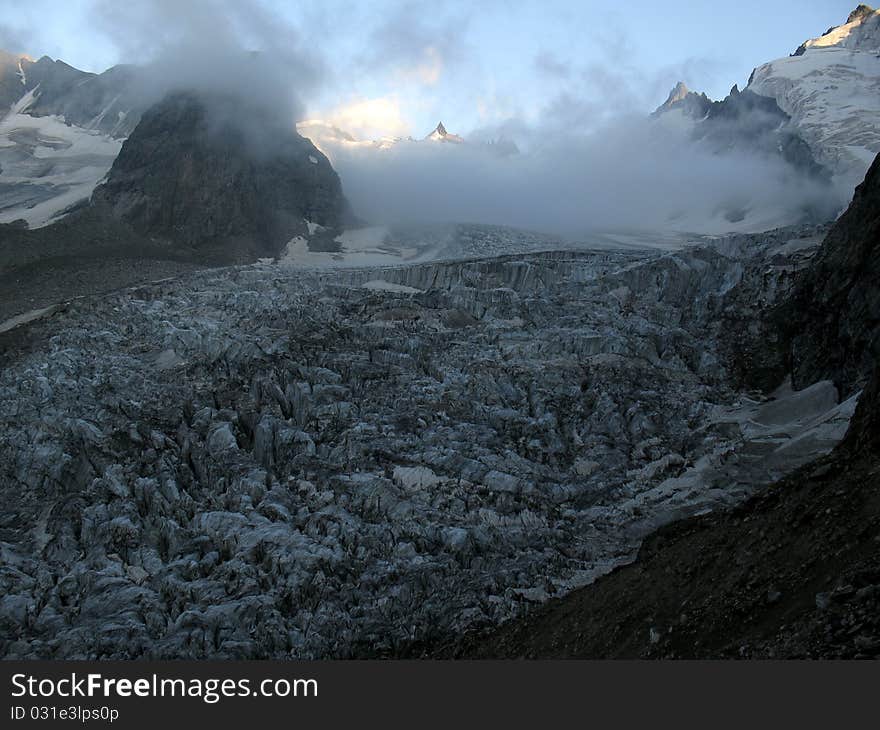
398,67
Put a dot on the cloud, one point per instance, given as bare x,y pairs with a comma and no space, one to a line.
13,40
15,36
414,43
588,87
370,118
630,175
547,64
590,159
236,47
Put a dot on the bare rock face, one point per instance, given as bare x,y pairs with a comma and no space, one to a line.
201,172
824,321
833,317
863,436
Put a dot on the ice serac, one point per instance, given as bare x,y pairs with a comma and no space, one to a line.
200,171
414,450
830,87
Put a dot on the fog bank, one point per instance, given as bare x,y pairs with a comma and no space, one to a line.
631,174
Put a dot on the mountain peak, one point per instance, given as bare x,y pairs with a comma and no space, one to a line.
681,97
859,32
679,92
860,13
441,135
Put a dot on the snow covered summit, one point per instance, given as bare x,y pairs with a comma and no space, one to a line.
830,88
441,135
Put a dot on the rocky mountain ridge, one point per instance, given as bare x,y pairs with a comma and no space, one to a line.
818,107
689,103
105,102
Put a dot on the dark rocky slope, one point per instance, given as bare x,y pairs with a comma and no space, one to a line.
795,572
202,172
825,324
87,252
832,320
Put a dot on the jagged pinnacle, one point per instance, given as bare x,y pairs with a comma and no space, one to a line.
862,11
679,92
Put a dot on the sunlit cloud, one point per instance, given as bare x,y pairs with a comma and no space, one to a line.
370,118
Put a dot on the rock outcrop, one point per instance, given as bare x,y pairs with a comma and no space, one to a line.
832,320
201,172
690,103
